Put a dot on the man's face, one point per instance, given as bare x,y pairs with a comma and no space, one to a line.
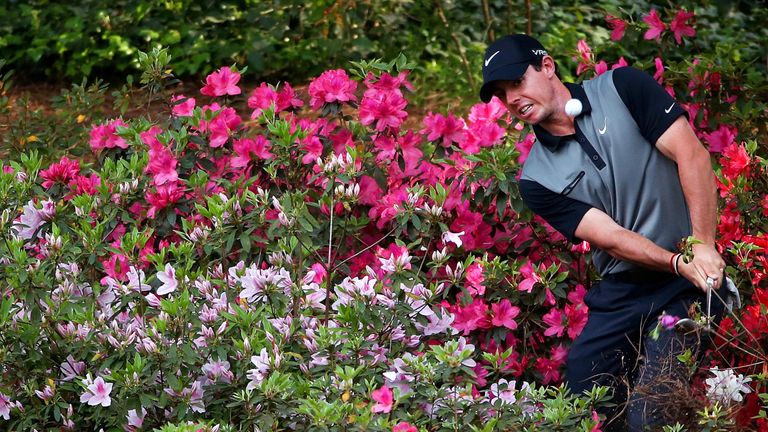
529,98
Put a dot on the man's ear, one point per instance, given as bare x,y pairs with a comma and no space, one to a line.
548,65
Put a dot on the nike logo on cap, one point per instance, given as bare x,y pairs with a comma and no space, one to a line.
488,60
670,108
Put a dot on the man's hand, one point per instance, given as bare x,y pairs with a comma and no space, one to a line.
707,263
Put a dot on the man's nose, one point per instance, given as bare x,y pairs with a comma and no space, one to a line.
511,96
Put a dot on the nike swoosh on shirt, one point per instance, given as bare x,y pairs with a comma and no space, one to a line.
605,127
488,60
670,108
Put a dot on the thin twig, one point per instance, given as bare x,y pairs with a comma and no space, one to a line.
441,14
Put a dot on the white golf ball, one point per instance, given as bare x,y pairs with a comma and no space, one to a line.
573,107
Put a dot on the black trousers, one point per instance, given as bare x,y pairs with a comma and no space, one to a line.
615,348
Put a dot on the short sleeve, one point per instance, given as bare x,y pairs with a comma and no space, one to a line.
652,108
560,211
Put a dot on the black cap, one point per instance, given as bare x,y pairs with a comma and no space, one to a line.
508,59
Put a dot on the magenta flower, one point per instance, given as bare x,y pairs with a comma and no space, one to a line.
61,172
680,27
657,26
105,136
163,196
71,368
618,27
387,109
658,75
601,67
404,427
668,321
384,400
504,314
471,317
555,320
530,277
222,82
183,106
332,86
449,128
97,392
721,138
250,149
577,319
474,279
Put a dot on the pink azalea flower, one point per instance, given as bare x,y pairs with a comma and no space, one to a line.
617,25
105,136
97,392
250,149
222,82
387,83
504,314
549,370
222,125
601,67
384,400
33,218
61,172
183,106
475,279
658,75
404,427
168,278
657,27
163,196
621,63
265,96
585,58
387,109
490,112
71,369
577,318
555,320
449,128
680,27
524,147
530,277
471,317
577,295
721,138
5,406
85,184
332,86
451,237
135,419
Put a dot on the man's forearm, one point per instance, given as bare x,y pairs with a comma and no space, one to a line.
699,188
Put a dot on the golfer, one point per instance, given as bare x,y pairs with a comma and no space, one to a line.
616,163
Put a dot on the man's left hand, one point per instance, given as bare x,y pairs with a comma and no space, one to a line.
707,263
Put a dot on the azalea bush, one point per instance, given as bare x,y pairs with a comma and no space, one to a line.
322,260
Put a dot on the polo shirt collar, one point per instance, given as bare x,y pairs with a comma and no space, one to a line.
552,142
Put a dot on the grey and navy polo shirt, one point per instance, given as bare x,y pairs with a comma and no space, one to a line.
611,163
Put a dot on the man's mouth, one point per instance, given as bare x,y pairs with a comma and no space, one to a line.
526,109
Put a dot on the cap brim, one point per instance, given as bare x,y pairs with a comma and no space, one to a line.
509,72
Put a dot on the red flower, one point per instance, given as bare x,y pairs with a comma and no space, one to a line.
735,161
680,27
617,25
450,128
222,82
657,26
549,370
577,319
658,75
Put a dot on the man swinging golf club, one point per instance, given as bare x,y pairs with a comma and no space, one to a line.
616,163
